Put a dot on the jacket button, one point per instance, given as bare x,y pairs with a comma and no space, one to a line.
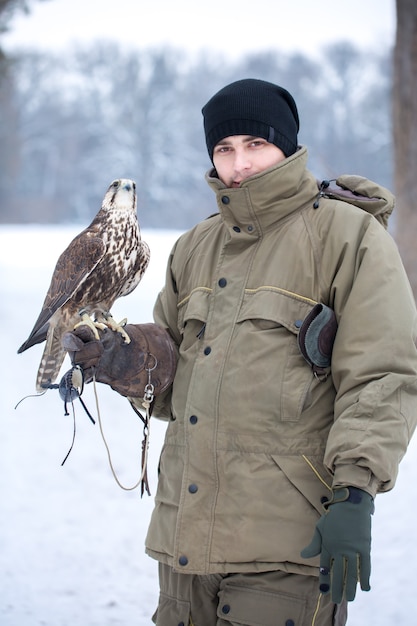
192,488
290,622
298,323
250,228
226,609
236,229
193,419
222,282
183,560
207,350
225,199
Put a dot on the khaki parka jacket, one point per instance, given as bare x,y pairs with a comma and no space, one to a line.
255,441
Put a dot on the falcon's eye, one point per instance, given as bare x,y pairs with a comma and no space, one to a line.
115,184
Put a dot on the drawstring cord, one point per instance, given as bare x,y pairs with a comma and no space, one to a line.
323,185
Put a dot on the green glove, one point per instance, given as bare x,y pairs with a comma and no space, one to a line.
343,539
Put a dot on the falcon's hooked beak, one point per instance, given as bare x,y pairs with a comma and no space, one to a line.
127,184
121,195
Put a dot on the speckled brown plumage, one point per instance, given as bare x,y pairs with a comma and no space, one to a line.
104,262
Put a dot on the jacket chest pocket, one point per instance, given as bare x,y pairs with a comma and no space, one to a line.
268,325
192,318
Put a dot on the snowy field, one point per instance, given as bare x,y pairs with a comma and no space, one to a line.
72,541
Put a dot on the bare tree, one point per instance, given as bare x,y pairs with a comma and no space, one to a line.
9,140
7,10
405,133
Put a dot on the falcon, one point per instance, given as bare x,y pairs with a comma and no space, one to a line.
104,262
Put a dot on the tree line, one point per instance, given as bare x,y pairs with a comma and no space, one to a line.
71,123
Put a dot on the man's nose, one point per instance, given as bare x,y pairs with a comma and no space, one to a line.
242,160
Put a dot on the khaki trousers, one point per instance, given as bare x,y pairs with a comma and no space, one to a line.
260,599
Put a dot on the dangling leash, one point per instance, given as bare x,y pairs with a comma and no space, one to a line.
147,403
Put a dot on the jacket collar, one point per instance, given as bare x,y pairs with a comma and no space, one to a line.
266,198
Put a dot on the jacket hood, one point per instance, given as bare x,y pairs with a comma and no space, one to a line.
365,194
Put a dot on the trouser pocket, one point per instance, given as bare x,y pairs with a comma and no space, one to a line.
252,607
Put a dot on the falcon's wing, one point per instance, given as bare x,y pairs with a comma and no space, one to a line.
73,266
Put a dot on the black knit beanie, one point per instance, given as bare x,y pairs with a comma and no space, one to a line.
252,107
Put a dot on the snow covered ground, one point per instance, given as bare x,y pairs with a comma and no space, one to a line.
71,541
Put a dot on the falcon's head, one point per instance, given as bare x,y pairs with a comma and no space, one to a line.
120,196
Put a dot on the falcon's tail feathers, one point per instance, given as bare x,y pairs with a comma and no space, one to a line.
50,364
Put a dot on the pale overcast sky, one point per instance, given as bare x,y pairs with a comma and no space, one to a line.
230,27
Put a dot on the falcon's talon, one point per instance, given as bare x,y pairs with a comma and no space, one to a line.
87,321
100,325
108,321
125,335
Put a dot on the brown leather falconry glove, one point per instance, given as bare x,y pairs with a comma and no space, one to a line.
125,366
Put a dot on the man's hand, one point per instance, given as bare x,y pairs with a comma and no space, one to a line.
125,366
343,539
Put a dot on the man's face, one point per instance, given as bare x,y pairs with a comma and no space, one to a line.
240,156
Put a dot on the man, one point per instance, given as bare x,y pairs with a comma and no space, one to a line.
281,430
